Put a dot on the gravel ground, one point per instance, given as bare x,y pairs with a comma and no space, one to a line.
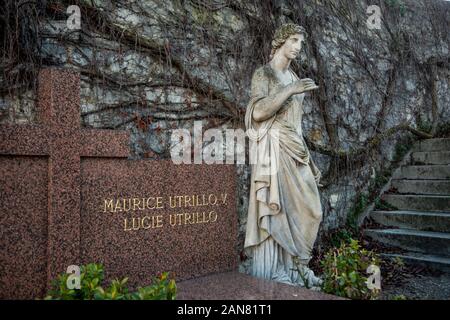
421,287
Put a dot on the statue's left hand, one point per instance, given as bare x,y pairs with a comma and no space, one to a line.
303,85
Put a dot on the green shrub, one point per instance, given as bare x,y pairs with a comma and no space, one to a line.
91,279
360,204
344,271
381,178
340,236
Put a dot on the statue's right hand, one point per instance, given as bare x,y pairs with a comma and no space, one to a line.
303,85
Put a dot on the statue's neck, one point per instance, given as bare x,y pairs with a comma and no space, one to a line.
277,75
280,63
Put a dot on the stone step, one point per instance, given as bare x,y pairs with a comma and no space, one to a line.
438,144
435,243
418,220
425,172
418,202
431,187
436,157
435,262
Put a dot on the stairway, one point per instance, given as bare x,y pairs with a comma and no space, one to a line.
420,225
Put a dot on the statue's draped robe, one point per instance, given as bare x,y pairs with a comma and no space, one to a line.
284,204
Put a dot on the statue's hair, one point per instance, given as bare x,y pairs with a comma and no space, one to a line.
283,33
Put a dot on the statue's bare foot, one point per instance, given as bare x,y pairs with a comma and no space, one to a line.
309,279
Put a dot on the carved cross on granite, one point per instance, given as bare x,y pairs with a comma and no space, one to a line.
59,137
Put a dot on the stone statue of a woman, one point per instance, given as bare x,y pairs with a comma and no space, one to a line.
284,205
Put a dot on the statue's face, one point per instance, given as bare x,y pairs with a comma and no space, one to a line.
291,48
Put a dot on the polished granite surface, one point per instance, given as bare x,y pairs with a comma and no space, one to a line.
239,286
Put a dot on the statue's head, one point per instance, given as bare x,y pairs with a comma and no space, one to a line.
288,40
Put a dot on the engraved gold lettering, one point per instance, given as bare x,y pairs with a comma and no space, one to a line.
125,205
159,221
125,225
136,203
187,201
117,207
109,204
224,198
212,199
159,201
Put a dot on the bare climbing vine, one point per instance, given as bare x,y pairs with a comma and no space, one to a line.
147,52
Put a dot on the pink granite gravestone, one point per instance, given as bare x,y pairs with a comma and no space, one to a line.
71,197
